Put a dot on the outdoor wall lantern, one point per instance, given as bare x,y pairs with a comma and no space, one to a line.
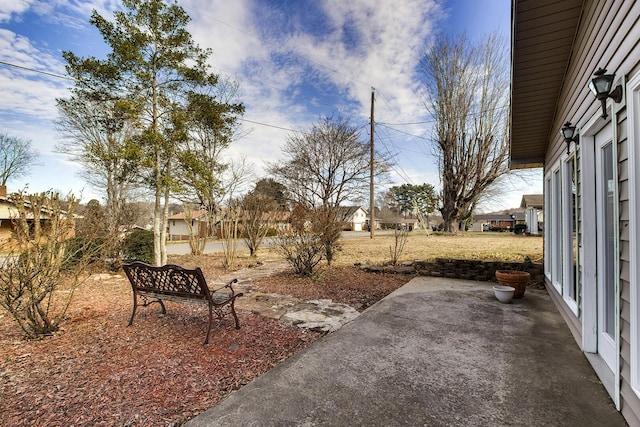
601,86
569,134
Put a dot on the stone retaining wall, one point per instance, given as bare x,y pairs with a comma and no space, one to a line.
461,269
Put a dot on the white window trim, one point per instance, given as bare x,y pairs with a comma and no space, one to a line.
633,120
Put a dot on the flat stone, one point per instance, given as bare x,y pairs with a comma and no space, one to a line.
321,315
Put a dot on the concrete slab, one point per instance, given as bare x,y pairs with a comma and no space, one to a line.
437,352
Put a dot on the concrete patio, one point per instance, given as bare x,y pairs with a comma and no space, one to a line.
437,352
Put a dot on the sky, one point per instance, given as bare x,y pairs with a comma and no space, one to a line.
296,61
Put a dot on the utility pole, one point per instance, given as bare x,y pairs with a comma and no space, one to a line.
372,221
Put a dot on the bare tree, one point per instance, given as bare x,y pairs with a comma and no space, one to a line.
229,220
97,132
325,167
197,241
16,157
466,92
257,213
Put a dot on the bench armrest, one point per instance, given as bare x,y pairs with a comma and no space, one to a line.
228,285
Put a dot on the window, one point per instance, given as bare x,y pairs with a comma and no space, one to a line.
548,221
570,238
560,224
556,231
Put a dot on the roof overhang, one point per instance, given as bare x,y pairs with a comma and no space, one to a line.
542,37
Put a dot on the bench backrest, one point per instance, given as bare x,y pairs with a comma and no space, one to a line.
170,280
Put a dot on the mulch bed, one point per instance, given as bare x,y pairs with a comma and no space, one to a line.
98,372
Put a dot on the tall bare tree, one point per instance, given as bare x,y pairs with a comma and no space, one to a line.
466,93
98,131
326,167
16,157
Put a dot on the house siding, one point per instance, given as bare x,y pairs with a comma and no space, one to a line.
607,36
630,404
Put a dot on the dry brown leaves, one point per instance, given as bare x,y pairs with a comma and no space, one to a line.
98,372
347,285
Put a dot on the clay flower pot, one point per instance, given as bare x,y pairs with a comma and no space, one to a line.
514,278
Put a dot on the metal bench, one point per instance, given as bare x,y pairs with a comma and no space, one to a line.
171,282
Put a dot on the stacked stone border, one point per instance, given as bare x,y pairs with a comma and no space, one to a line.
460,268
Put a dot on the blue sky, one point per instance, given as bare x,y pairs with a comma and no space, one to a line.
295,60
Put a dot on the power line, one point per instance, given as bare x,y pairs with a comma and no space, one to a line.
46,73
401,131
269,125
402,173
477,113
406,124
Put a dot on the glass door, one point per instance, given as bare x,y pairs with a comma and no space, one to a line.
606,200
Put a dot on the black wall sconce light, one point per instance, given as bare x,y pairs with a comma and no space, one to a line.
601,86
569,134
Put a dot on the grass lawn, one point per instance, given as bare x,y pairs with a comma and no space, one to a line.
483,246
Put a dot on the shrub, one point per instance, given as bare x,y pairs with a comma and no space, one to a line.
84,248
302,246
41,263
138,246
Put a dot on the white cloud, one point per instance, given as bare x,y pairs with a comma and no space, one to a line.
25,92
391,38
272,63
11,8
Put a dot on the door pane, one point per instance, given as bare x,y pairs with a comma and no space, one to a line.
557,230
571,228
608,239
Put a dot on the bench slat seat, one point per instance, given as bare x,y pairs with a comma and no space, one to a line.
170,282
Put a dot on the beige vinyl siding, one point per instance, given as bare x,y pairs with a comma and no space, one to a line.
630,402
604,28
607,37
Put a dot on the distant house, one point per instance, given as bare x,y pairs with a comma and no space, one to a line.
179,225
354,218
5,214
533,205
279,220
8,214
497,221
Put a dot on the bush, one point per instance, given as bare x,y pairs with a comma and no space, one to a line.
84,249
42,262
138,246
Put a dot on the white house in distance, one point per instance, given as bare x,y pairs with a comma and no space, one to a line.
354,217
533,205
179,228
576,69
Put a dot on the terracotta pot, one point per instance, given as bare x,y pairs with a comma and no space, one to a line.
517,279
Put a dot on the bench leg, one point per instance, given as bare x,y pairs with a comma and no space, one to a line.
145,304
135,307
233,311
206,340
164,310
